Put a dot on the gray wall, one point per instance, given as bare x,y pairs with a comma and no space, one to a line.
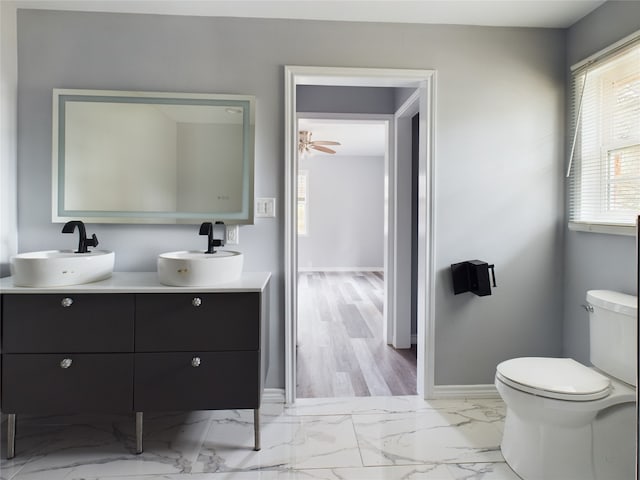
499,198
334,99
346,212
402,95
498,151
8,136
595,260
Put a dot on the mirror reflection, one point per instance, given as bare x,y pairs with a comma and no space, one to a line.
152,157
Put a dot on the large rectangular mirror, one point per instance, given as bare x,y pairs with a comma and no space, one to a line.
148,157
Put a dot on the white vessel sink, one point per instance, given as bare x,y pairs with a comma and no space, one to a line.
198,269
56,268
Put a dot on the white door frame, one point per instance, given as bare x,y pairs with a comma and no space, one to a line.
400,322
424,81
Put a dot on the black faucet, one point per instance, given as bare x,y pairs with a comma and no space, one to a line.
83,243
207,229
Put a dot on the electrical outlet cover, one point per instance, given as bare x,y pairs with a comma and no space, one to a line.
233,232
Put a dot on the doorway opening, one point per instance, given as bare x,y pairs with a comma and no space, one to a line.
342,345
397,262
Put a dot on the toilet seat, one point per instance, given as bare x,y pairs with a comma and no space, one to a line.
557,378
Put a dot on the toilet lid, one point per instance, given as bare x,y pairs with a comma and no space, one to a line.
561,378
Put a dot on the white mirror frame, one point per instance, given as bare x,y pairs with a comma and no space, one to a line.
242,215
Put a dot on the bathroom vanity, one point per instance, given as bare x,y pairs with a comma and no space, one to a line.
131,344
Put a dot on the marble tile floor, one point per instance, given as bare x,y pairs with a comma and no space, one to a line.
334,439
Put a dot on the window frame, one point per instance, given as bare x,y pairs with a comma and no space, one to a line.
602,180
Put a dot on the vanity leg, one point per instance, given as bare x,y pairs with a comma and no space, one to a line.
256,428
11,435
139,432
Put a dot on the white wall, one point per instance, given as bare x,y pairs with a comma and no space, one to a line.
595,260
346,213
498,151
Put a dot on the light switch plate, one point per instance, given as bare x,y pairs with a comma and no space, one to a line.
265,207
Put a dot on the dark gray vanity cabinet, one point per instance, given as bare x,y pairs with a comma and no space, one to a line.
67,383
187,322
198,352
196,381
129,344
67,353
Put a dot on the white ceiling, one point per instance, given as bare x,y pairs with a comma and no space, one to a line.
517,13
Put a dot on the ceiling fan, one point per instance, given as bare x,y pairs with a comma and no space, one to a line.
305,144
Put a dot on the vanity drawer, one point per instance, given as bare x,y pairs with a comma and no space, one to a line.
50,323
38,383
222,380
197,322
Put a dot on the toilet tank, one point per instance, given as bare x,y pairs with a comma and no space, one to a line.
613,321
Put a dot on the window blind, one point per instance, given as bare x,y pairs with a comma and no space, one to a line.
604,172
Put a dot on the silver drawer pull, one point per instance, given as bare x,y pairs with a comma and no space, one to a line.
66,363
67,302
195,362
196,302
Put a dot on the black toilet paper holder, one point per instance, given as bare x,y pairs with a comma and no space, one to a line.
473,276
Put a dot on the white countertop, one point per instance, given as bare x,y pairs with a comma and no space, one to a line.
143,282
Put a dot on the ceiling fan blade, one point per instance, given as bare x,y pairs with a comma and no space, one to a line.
322,149
325,142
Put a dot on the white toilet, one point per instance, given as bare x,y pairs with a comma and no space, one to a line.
566,421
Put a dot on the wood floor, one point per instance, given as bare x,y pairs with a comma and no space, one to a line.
340,351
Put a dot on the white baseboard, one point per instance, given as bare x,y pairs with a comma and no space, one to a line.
276,395
340,269
465,391
273,395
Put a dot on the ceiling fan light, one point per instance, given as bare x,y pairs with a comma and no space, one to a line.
305,144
